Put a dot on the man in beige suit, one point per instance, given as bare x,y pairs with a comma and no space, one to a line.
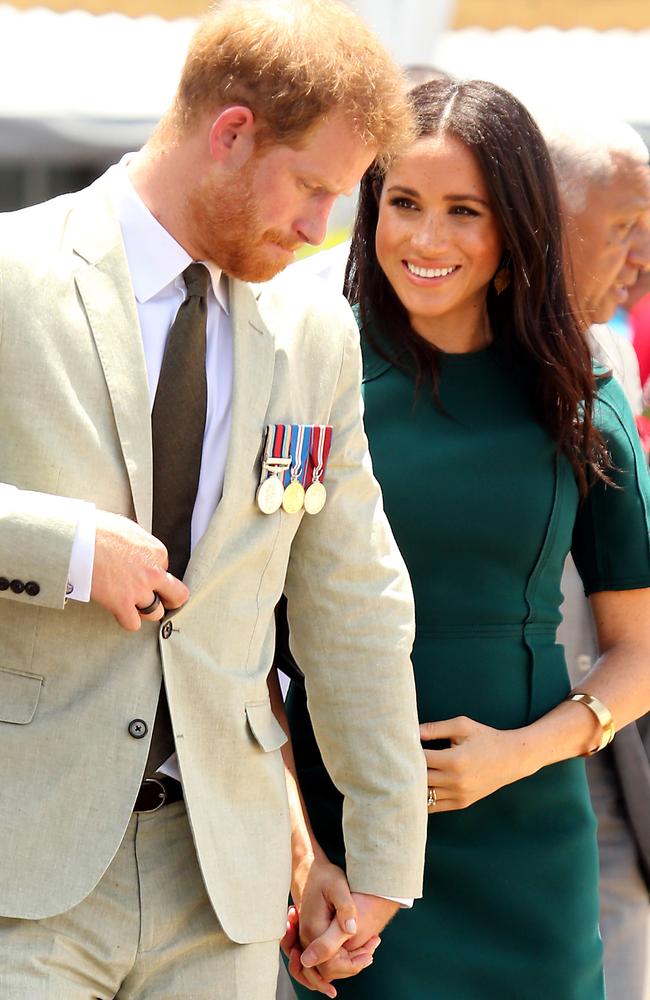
174,885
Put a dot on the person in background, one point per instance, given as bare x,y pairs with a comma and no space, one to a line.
604,181
145,532
496,448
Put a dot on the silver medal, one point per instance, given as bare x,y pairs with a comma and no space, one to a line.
270,494
315,497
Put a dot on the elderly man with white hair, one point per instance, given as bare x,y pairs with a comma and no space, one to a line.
604,179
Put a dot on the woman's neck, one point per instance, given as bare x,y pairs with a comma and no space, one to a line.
455,334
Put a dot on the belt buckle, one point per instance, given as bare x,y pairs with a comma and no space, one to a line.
162,792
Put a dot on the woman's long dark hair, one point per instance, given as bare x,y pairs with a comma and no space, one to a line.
532,318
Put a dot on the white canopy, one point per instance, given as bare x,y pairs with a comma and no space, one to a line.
81,86
604,72
77,87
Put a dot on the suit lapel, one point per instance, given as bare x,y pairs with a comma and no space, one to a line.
253,367
104,285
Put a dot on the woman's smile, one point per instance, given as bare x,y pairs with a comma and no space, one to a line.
427,273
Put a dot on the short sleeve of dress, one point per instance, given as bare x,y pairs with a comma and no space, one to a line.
611,538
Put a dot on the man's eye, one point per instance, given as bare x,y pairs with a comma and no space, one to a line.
625,228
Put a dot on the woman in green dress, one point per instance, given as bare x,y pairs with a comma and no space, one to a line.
498,450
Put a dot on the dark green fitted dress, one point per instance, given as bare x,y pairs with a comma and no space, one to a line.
484,512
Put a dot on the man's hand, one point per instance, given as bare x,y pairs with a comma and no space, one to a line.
130,566
373,913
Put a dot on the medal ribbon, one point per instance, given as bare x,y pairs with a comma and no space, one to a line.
268,448
319,449
299,452
307,446
282,448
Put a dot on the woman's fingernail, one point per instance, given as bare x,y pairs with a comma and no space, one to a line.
351,926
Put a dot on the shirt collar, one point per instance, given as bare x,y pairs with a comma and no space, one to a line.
155,259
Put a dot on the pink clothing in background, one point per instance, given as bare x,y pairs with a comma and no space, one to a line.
640,322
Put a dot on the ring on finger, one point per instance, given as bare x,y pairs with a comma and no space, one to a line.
150,608
432,798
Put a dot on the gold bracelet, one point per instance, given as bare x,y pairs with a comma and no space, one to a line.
603,715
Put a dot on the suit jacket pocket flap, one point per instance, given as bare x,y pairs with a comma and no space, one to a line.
19,694
264,726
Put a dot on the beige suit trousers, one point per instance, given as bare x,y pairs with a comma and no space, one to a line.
146,932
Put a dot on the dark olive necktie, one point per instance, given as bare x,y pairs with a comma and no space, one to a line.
177,428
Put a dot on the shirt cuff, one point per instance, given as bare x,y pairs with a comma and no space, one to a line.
6,491
80,570
406,904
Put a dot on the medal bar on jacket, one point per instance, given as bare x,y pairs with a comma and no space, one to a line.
293,466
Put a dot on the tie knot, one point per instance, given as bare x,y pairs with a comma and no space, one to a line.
197,280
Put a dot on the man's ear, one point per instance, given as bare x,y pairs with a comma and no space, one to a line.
232,136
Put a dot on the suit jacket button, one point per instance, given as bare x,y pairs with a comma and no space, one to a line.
4,583
17,586
166,630
138,728
32,588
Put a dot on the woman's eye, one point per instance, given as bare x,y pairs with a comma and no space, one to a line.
398,202
463,210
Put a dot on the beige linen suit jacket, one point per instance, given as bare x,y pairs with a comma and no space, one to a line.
75,422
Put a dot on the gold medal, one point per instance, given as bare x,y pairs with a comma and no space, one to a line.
294,493
293,498
270,494
315,497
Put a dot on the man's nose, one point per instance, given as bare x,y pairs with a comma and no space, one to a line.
312,227
639,253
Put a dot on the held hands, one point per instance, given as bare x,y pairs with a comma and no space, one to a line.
479,761
338,929
130,567
341,965
356,953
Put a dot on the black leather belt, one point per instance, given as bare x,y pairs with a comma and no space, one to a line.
157,792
